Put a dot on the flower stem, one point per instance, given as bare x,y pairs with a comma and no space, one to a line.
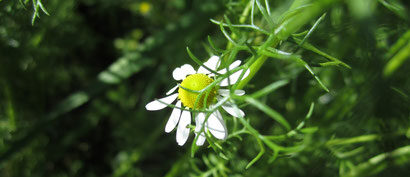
300,13
271,42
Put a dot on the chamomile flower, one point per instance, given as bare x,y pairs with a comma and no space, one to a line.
186,96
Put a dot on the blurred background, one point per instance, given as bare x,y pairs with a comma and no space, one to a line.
73,87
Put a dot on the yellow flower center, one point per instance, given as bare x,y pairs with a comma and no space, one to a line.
196,82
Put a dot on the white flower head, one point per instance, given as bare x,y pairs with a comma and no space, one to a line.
193,81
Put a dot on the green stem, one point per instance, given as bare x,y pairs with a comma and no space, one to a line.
271,42
290,24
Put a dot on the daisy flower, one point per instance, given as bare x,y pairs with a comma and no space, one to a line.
192,82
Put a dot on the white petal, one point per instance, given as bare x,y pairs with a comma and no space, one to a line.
183,130
188,69
246,74
177,74
199,121
203,70
225,92
201,139
172,90
218,98
239,92
212,63
174,118
231,67
216,125
233,110
157,105
183,71
235,64
233,78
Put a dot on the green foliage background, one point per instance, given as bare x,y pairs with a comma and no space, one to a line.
73,87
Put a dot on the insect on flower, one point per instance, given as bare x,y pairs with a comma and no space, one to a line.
187,95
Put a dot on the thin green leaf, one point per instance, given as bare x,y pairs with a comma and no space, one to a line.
187,89
196,60
33,18
330,63
212,44
313,28
354,152
265,14
402,41
267,7
358,139
316,77
300,34
312,106
221,27
395,7
377,163
309,114
231,28
270,88
260,154
252,11
274,157
274,53
242,26
312,48
309,130
42,7
397,60
272,113
194,147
